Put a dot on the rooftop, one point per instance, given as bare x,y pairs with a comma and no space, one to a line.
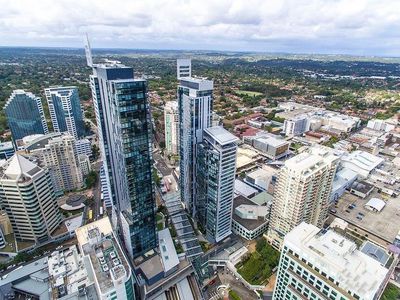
250,224
221,135
379,224
107,259
339,258
18,167
168,253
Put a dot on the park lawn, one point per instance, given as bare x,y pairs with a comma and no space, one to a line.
257,268
391,292
159,217
233,295
248,93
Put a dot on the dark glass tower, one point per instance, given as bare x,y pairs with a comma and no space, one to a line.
123,118
25,115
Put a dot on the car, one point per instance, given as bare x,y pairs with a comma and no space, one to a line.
333,211
351,206
348,211
359,218
361,214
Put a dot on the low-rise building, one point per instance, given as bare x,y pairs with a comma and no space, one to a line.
342,181
105,260
380,125
269,146
261,178
249,219
361,162
83,146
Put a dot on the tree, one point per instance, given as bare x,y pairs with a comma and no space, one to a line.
91,179
95,151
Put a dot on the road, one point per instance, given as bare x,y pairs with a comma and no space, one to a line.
227,278
161,165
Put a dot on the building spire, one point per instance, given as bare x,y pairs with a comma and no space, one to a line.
88,52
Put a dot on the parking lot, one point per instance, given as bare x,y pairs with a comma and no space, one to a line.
383,224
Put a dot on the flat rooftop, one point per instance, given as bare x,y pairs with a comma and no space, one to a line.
382,224
247,223
221,135
339,258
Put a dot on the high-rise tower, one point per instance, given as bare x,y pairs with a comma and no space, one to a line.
171,120
302,191
195,102
28,198
65,110
125,136
216,168
25,115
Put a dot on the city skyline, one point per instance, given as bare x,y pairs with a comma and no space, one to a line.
328,27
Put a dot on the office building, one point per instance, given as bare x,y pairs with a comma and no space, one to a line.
25,115
381,125
84,164
57,153
322,264
6,150
184,68
171,120
65,110
296,126
249,219
195,102
269,146
83,146
302,191
124,124
216,167
105,260
28,198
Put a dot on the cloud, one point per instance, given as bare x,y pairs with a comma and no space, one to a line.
354,26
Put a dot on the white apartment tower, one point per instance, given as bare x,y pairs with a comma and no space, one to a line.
28,198
302,191
322,264
65,110
184,67
59,156
171,121
195,102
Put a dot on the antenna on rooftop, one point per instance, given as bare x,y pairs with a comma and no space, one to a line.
88,52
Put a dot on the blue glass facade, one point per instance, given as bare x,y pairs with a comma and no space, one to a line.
25,115
65,110
123,117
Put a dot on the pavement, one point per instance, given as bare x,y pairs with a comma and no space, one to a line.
227,278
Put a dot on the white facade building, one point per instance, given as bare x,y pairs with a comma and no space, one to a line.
195,113
296,125
184,68
105,259
58,154
171,122
321,265
28,198
83,146
380,125
65,110
361,162
302,191
84,164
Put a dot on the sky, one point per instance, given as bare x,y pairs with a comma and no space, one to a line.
358,27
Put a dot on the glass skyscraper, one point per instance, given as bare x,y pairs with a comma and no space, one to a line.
216,167
65,110
123,119
25,115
